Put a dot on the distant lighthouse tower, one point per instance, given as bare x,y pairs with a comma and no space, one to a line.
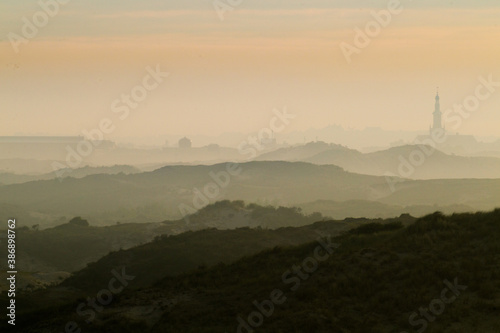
437,114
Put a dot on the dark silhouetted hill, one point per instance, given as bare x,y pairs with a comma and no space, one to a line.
374,280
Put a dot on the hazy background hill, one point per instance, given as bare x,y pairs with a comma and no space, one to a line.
15,178
37,158
379,163
26,166
302,152
156,196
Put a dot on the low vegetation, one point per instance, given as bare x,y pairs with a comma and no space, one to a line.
373,282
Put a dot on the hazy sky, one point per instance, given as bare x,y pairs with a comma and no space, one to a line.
228,75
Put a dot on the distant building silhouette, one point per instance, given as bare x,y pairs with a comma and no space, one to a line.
185,143
454,143
437,125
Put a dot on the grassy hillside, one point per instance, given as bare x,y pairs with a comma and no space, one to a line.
375,209
70,247
172,255
374,280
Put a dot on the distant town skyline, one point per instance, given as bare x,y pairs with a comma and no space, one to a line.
228,75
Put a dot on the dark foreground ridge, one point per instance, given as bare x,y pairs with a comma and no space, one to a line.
439,274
